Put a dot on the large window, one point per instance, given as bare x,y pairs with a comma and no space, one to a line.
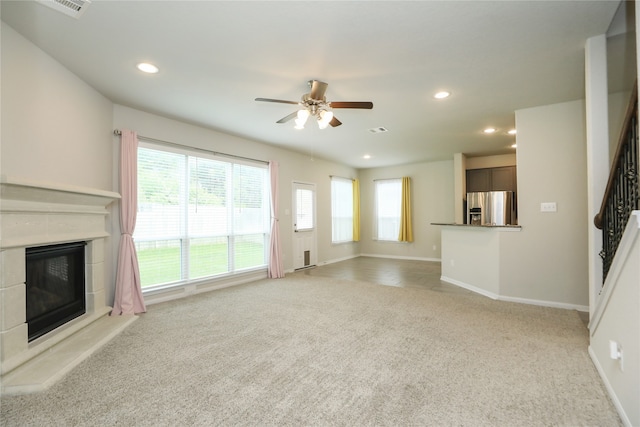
198,215
388,205
341,210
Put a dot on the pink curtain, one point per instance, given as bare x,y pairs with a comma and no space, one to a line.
275,258
128,299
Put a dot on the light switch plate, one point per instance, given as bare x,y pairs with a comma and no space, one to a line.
548,207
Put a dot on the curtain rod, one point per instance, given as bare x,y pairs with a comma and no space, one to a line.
118,132
343,177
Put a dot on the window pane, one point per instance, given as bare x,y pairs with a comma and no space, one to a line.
304,209
208,194
250,200
388,209
159,262
198,216
341,210
249,251
208,257
160,185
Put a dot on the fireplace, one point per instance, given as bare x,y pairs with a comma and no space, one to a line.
37,217
55,286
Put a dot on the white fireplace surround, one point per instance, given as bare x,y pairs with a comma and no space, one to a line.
38,214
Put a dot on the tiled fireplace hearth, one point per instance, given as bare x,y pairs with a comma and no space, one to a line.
38,214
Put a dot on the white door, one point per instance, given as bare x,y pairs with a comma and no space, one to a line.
304,225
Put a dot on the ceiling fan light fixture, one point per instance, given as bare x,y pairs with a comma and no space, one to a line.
302,115
324,118
315,104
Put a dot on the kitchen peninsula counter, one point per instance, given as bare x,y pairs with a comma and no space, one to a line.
453,224
470,256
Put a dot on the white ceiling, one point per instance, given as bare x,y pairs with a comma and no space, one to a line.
216,57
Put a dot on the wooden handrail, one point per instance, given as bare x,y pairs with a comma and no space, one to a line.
631,110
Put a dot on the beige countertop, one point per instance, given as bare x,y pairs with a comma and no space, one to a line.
517,227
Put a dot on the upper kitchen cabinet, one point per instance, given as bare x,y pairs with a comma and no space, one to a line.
492,179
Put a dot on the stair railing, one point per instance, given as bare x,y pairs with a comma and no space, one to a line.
621,196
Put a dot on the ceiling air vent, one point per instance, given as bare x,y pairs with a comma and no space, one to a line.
378,130
74,8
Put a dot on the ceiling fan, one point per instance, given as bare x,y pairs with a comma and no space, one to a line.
315,104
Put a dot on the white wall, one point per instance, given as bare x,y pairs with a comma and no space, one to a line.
471,258
617,318
496,161
432,186
547,260
460,187
55,127
618,103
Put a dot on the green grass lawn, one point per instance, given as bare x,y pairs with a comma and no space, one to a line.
162,265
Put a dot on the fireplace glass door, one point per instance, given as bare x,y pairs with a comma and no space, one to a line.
55,286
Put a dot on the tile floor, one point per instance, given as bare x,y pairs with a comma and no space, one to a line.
386,271
393,272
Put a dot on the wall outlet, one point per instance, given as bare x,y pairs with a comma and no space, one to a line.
435,247
453,264
548,207
615,352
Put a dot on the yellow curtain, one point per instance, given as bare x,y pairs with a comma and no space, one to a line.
406,231
356,210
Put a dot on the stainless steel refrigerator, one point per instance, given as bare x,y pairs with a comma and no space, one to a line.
491,208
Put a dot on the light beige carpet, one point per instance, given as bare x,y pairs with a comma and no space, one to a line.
316,351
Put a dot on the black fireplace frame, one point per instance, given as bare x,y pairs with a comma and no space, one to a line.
46,322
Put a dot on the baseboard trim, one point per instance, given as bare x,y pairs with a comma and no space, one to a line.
543,303
333,261
157,296
469,287
408,258
610,391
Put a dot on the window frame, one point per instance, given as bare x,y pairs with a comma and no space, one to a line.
376,222
348,201
186,236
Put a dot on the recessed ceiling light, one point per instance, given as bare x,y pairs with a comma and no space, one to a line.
489,130
145,67
366,156
442,95
512,132
514,145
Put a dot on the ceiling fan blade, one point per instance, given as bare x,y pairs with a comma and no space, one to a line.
287,118
365,105
335,122
277,100
318,89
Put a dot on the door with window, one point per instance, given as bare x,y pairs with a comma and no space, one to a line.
304,225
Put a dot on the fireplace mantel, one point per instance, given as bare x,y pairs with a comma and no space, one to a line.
38,214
